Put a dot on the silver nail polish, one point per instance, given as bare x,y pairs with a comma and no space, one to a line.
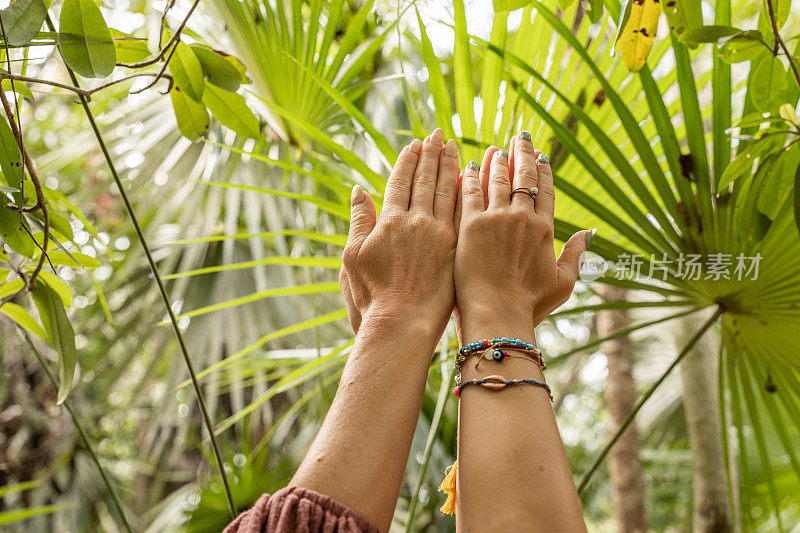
473,165
589,235
525,135
543,158
504,153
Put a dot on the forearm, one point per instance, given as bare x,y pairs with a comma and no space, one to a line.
360,453
513,472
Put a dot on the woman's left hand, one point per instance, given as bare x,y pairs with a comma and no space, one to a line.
407,253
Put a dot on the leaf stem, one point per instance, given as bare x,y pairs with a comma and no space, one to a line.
779,42
689,345
84,437
157,276
167,46
85,92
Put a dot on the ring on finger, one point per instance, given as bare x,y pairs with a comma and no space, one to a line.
530,191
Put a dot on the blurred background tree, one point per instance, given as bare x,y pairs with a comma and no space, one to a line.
678,145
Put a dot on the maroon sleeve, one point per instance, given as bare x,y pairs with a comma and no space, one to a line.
293,509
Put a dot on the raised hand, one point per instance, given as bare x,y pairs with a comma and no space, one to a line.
398,283
402,261
506,270
507,280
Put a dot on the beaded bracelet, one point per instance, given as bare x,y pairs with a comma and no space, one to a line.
496,383
492,349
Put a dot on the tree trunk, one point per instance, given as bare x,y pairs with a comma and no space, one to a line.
701,408
625,466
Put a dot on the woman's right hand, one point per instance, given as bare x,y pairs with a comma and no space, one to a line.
506,273
401,263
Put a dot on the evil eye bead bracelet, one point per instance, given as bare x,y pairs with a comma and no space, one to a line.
493,350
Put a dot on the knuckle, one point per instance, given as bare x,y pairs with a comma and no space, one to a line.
527,173
472,188
499,178
418,220
349,258
526,148
547,231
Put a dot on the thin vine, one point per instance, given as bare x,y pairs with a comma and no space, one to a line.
156,275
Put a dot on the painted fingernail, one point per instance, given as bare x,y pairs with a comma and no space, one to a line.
357,196
589,235
543,158
525,135
503,153
415,146
473,165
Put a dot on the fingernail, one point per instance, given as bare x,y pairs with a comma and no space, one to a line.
525,135
543,158
450,148
589,235
503,153
415,146
473,165
357,196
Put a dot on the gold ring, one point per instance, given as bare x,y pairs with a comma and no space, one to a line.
530,191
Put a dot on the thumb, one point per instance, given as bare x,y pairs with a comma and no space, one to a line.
569,262
362,217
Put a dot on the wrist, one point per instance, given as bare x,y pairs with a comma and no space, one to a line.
485,322
401,321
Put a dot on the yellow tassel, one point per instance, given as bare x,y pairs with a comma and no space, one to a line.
448,486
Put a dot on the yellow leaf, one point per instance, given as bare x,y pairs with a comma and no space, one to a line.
639,32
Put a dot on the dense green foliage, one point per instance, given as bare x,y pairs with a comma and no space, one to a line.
144,239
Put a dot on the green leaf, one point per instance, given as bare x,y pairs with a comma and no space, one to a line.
797,198
192,116
788,114
333,263
781,8
311,288
11,287
59,334
768,84
73,259
436,84
10,156
187,72
20,487
624,15
22,20
129,49
744,161
17,515
57,285
12,233
595,10
509,5
231,110
736,50
84,39
19,315
217,69
682,15
61,225
754,119
462,66
19,88
707,34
